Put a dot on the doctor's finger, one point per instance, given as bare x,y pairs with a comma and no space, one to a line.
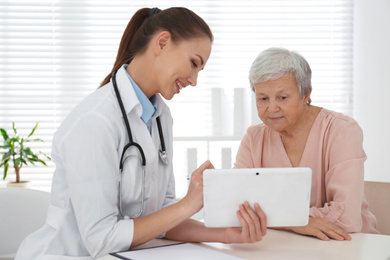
198,173
206,165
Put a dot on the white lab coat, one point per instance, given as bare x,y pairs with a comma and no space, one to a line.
83,219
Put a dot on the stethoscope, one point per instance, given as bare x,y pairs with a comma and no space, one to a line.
162,152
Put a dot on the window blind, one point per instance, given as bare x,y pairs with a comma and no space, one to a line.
53,53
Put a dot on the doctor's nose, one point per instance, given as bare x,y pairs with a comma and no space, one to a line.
192,79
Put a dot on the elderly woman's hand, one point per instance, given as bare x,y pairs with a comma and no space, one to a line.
323,229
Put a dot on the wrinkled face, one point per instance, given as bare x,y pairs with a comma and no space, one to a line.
279,103
180,64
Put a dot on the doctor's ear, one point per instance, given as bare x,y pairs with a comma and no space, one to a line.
161,40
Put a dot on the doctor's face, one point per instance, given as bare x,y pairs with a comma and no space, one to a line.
180,64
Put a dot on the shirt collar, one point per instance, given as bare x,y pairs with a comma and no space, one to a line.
148,106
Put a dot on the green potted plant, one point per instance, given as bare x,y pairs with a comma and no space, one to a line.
16,151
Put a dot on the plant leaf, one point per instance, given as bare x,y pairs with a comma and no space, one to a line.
31,160
7,156
42,161
13,127
34,157
17,162
5,162
32,132
15,139
34,140
48,157
28,151
5,171
4,134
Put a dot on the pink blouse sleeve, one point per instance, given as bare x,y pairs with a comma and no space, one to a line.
343,158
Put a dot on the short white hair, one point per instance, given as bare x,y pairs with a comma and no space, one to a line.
274,63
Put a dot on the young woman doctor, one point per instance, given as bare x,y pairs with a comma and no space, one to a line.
103,202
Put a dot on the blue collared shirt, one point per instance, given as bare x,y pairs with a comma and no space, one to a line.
148,106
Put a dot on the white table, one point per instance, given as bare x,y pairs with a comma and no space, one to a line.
285,245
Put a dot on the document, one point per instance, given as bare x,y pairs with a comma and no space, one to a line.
175,252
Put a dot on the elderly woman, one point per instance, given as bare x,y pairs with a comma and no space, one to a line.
295,133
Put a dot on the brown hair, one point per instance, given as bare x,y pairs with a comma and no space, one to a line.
180,22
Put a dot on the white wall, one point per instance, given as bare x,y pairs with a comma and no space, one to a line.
372,83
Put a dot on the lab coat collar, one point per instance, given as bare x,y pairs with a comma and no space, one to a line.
148,106
129,97
126,90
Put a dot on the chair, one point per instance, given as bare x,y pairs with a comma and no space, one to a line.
22,211
378,197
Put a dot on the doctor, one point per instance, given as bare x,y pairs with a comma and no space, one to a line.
113,187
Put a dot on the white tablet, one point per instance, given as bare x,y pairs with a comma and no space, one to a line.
283,194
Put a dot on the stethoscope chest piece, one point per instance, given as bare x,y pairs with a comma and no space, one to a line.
164,157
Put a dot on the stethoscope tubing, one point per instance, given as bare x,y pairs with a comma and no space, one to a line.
131,142
163,154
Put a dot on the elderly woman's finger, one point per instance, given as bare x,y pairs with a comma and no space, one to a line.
255,224
263,219
252,225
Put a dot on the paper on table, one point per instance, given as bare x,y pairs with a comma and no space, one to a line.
175,252
157,242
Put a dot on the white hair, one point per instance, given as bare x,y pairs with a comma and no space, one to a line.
274,63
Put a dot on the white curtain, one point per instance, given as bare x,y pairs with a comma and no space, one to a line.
54,53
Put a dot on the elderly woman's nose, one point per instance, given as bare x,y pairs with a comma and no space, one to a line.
273,106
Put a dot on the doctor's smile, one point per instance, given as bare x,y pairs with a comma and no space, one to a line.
180,85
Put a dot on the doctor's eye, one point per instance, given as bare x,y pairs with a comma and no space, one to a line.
194,64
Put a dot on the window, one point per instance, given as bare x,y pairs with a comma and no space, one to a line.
53,53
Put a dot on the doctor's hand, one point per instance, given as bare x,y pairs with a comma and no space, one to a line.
195,190
253,222
321,228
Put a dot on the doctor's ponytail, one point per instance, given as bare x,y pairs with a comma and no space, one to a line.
180,22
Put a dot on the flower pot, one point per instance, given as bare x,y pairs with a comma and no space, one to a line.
22,184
